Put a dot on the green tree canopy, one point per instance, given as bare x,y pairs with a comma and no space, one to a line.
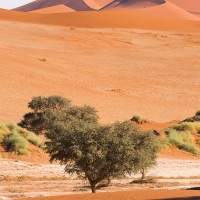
97,152
45,111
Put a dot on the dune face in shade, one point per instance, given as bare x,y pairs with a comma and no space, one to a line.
53,9
77,5
132,4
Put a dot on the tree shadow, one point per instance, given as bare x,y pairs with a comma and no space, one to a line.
182,198
194,188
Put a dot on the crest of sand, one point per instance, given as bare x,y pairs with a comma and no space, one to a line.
77,5
97,4
103,19
132,4
168,10
53,9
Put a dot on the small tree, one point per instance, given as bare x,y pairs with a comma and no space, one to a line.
100,152
97,152
147,146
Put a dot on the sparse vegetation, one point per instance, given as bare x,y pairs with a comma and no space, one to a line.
197,113
16,139
16,143
138,119
98,152
42,59
193,127
182,140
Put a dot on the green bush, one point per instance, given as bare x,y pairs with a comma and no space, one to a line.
197,113
182,140
193,127
4,128
17,139
32,138
1,136
136,118
16,143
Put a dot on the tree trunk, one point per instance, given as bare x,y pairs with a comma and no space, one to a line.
109,181
143,174
93,187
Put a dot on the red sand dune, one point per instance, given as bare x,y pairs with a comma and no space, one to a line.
77,5
104,19
189,5
132,4
97,4
53,9
168,10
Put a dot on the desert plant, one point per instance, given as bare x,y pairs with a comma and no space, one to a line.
136,118
193,127
182,140
197,113
146,145
16,143
16,139
54,109
97,152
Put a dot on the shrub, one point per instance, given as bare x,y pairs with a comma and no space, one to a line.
197,113
17,139
136,118
1,136
16,143
32,138
182,140
4,128
193,127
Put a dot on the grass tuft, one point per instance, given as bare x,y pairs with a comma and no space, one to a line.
17,139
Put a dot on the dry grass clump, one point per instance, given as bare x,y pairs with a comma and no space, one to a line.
16,139
184,136
193,127
138,119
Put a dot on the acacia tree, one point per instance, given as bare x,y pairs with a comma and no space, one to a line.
97,152
146,146
45,111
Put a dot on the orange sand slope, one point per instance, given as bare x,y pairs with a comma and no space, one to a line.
78,5
121,72
129,195
189,5
103,19
168,10
132,4
97,4
53,9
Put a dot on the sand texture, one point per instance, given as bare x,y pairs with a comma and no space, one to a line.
121,72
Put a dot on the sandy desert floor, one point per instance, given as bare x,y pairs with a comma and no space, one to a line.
121,72
20,179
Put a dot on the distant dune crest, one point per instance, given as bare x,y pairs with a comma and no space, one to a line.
77,5
132,4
